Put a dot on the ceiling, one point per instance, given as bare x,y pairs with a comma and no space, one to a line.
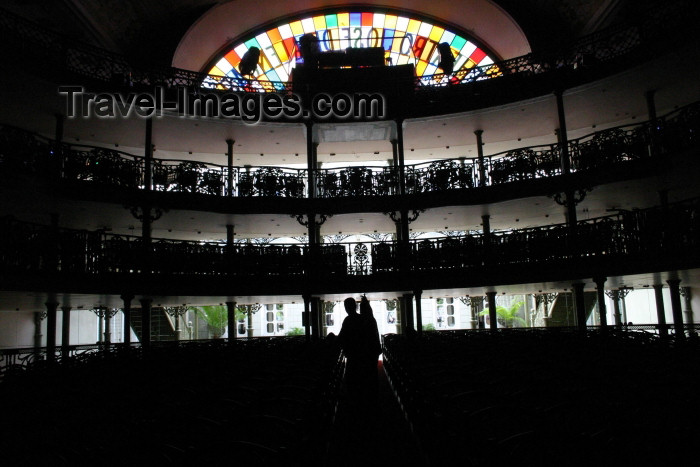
149,31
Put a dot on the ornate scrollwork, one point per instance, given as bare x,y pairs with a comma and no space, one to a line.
396,215
337,238
105,312
545,298
618,294
303,219
155,213
578,196
176,311
380,237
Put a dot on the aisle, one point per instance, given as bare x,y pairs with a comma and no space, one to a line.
374,435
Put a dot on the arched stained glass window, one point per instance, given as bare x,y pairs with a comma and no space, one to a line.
404,39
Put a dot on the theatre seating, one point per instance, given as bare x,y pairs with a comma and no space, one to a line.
545,397
264,402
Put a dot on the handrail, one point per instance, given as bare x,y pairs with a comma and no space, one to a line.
652,233
23,151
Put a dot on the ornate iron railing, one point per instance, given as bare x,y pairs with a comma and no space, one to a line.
643,234
22,152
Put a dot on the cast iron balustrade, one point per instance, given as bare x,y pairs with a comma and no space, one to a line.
356,181
441,175
653,233
23,152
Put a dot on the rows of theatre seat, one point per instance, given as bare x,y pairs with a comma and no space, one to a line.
547,397
262,402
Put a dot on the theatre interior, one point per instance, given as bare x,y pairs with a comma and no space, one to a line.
191,189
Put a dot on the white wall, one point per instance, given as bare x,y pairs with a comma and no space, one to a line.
17,329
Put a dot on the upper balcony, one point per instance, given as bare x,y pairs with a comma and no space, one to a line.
99,173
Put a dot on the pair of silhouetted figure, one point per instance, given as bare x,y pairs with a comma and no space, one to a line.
359,338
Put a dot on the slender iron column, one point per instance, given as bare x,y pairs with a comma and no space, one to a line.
65,330
146,323
306,321
58,146
51,308
310,163
148,187
602,311
480,155
660,311
565,158
400,153
493,316
126,310
651,111
486,227
231,315
673,285
408,312
616,307
579,305
316,323
229,174
148,160
686,293
419,311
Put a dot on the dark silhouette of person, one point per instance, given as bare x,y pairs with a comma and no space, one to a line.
370,350
447,60
351,341
310,48
249,61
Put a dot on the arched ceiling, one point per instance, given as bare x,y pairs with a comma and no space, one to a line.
482,19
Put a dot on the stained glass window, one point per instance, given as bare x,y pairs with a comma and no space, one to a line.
405,40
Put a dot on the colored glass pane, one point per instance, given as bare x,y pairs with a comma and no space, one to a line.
405,41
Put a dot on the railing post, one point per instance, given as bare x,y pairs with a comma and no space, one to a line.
229,174
51,308
493,316
480,155
673,285
231,322
660,311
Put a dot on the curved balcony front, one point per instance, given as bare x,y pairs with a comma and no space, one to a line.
37,257
614,154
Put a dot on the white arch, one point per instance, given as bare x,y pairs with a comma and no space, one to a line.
482,19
